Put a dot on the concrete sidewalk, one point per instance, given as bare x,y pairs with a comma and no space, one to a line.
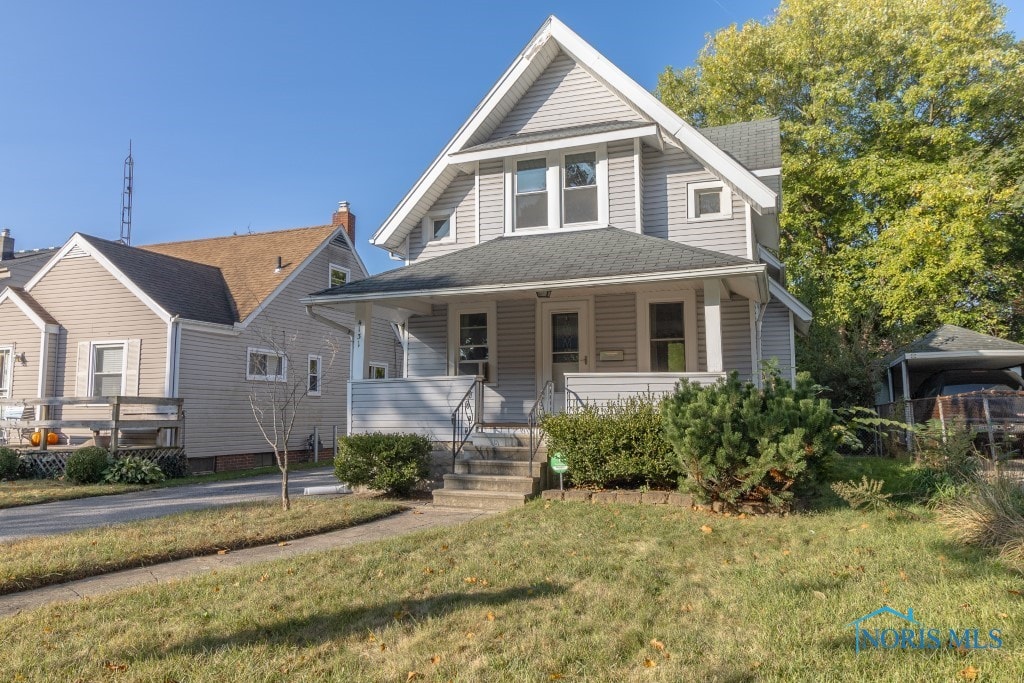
420,516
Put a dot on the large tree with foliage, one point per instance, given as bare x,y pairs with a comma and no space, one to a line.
902,126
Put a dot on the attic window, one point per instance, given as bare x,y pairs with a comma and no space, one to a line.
708,200
339,275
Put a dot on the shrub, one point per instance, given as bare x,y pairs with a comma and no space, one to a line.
867,494
10,464
991,516
174,466
87,465
385,462
735,441
133,469
622,443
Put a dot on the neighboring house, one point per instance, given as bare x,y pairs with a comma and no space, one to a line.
574,242
203,320
18,267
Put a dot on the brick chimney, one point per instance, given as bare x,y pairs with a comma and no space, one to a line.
346,219
7,244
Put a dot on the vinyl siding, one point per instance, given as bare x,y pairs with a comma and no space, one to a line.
621,185
615,330
564,95
776,329
428,344
460,197
492,199
736,337
511,399
218,416
421,406
17,331
665,197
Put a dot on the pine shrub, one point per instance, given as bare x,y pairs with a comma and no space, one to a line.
739,442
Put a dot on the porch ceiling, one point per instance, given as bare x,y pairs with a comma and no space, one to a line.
514,265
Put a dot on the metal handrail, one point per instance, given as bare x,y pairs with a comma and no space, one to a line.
544,405
466,417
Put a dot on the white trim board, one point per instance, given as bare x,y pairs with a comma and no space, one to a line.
9,294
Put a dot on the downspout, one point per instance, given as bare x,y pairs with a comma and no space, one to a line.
327,321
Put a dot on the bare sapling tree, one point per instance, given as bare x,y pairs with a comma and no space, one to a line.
282,376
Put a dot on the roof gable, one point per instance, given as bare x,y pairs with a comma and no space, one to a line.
555,38
563,85
31,308
950,339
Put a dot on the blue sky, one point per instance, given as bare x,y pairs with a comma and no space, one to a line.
263,115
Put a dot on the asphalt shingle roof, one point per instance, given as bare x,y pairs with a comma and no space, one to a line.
24,266
950,338
755,144
601,252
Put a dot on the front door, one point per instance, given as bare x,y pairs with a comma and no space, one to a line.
564,344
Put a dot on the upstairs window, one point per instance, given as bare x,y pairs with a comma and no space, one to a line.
531,193
107,369
339,275
439,227
266,365
708,200
579,192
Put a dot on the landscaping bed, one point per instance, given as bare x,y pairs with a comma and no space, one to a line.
553,591
47,560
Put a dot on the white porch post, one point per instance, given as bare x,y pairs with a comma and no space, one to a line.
713,324
361,341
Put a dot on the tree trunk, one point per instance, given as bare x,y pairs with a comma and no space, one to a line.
286,503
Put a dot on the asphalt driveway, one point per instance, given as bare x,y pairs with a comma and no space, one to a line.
70,515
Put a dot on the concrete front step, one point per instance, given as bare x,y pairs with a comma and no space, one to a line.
497,438
515,453
506,467
491,482
479,500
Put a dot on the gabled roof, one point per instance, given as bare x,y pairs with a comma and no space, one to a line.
554,38
525,260
246,264
23,266
30,307
755,144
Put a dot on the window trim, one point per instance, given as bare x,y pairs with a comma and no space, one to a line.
8,391
283,377
93,345
555,174
319,374
691,200
428,227
383,366
454,312
330,274
688,297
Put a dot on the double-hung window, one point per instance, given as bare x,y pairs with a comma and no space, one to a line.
108,364
531,193
314,375
668,338
339,275
471,334
266,365
559,189
6,370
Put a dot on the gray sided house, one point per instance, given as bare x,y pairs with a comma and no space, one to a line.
206,321
573,243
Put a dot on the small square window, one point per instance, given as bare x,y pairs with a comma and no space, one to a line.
442,227
339,275
709,199
378,371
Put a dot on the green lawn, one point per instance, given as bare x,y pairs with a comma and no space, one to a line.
555,591
36,562
32,491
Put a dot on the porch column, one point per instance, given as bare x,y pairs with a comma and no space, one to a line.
713,324
361,341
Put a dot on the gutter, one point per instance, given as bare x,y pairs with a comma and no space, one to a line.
327,321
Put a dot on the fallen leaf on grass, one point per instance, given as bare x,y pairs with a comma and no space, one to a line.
470,635
413,675
785,552
383,647
650,663
820,595
706,529
264,578
283,544
555,677
1014,592
657,644
470,579
417,512
903,575
223,551
436,659
969,673
1004,615
116,666
490,616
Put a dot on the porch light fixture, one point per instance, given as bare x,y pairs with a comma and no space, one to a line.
545,294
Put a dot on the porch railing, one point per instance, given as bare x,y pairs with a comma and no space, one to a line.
466,416
544,405
601,388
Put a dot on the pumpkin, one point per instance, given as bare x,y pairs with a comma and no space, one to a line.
36,438
51,438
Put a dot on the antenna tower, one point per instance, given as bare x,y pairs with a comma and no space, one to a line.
126,198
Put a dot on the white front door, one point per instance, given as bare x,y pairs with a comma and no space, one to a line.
564,343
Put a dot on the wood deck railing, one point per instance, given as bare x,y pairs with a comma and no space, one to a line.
123,415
